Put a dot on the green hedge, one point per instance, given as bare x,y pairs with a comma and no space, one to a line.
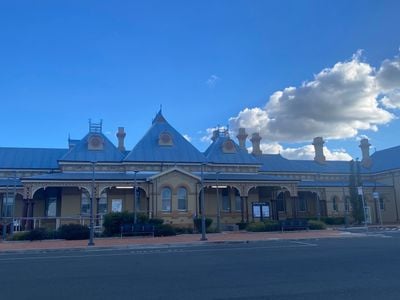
316,225
73,232
36,234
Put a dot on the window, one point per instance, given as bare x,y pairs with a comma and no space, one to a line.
85,203
347,203
302,202
382,203
280,202
226,202
182,199
51,207
102,205
238,201
137,199
8,205
335,201
166,199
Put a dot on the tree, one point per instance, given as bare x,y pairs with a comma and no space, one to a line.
355,198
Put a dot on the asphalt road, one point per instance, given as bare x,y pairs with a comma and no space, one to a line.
347,268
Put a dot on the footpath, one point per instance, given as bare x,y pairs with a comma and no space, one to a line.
179,240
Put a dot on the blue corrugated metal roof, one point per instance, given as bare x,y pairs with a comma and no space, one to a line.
80,151
242,177
148,148
277,163
10,182
385,160
87,176
30,158
215,153
339,184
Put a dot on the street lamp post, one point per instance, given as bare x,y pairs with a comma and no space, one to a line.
360,193
91,234
218,205
134,198
203,215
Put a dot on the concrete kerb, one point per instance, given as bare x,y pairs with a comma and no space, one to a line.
103,244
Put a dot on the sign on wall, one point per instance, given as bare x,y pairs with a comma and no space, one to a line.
116,205
261,210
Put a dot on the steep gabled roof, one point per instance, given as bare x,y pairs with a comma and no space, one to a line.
174,148
30,158
215,153
81,151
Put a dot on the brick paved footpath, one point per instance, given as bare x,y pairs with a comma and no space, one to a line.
184,239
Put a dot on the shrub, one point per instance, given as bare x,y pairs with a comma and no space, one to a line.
112,222
316,225
271,225
183,230
156,221
36,234
242,225
333,220
197,223
256,227
164,230
73,232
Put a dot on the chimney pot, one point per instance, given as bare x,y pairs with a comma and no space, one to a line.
121,138
255,140
318,144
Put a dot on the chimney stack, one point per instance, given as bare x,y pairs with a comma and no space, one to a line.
215,135
242,136
318,143
366,160
255,140
121,138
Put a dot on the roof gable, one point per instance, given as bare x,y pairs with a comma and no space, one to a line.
163,143
225,151
175,169
95,146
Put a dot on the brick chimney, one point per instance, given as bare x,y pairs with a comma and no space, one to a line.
366,160
121,138
255,140
242,136
318,143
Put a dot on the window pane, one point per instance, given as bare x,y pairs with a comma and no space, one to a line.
51,207
8,205
226,202
102,206
182,199
166,199
85,204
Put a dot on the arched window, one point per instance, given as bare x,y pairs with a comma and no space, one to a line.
166,199
85,203
102,205
182,198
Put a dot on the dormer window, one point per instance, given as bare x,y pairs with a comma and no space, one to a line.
95,142
228,147
165,139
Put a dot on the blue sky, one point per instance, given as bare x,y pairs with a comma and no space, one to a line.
205,62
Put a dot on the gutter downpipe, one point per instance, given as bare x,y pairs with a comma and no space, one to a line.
395,199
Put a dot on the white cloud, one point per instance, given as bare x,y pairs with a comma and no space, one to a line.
212,81
307,153
187,137
338,103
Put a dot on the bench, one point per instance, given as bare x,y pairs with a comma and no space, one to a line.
294,224
137,229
